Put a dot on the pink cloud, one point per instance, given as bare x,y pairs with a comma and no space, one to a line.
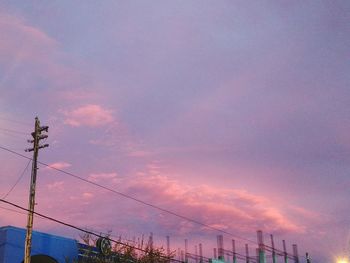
32,57
88,195
237,210
23,41
306,214
25,46
59,165
139,153
59,186
90,115
102,177
233,210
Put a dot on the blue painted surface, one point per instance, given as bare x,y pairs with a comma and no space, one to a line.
12,245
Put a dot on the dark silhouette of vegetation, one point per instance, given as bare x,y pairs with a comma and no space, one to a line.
121,252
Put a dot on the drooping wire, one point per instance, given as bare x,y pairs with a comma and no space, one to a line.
18,180
15,121
12,210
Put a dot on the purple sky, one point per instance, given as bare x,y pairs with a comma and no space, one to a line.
233,113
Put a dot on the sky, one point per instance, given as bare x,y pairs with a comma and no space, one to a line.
231,113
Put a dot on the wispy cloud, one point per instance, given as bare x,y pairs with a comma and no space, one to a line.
235,209
102,177
59,165
58,186
28,43
88,195
139,153
305,213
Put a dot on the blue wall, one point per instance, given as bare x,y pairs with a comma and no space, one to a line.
12,245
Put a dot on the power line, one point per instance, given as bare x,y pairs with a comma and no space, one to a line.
12,135
15,121
13,131
135,199
12,210
18,180
75,227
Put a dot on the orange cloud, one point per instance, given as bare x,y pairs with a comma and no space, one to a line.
89,115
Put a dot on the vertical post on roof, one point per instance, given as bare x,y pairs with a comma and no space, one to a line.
273,250
246,253
262,258
295,253
234,259
285,254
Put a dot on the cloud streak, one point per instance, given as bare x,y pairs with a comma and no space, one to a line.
102,177
235,210
88,115
59,165
232,210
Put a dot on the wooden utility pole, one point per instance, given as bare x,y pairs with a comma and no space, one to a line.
36,139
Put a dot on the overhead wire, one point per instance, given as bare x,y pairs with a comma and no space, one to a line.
15,121
17,181
12,210
14,131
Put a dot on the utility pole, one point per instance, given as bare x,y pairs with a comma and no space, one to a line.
37,136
